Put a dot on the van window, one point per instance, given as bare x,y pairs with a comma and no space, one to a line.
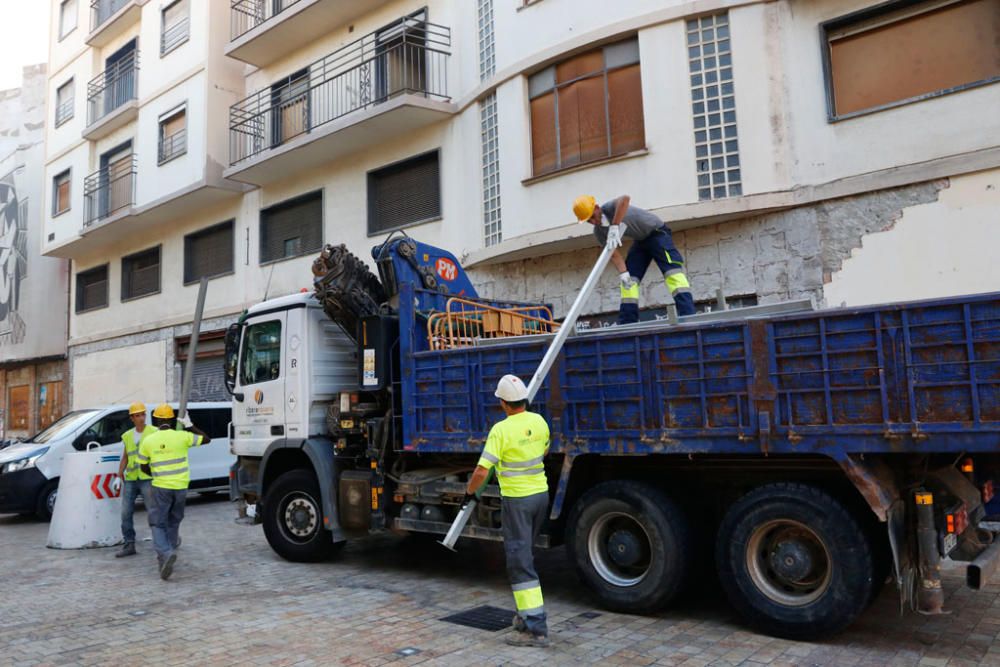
262,353
213,421
66,425
106,431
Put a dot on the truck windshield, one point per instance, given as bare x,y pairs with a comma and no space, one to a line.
65,425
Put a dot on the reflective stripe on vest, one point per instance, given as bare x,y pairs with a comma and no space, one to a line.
132,470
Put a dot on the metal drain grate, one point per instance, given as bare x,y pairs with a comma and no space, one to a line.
483,618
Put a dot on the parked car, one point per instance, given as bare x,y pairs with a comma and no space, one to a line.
29,471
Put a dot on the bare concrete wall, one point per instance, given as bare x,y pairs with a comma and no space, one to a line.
778,256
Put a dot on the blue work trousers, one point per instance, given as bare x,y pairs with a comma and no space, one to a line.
132,489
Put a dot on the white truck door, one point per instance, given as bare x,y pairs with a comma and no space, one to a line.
260,377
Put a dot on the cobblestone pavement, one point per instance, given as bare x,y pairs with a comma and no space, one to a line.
233,601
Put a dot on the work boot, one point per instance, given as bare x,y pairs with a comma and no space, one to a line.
527,639
518,624
128,549
167,568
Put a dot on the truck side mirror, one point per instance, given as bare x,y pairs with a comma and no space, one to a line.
232,342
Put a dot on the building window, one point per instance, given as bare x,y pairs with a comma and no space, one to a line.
92,289
50,401
173,134
141,274
491,170
713,104
67,17
487,51
208,253
292,228
587,108
904,52
19,402
61,193
174,26
403,194
64,102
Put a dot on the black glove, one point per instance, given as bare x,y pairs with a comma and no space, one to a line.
469,497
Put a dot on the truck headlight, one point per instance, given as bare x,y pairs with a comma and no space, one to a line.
22,464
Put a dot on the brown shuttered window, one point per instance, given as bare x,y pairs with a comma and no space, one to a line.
904,53
60,193
208,253
49,403
587,108
403,194
92,289
292,228
141,274
19,400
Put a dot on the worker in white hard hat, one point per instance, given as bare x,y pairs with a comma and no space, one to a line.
652,241
516,448
135,481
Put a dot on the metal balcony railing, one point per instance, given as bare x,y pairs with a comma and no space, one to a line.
64,112
113,87
172,146
109,190
102,10
174,36
245,15
408,56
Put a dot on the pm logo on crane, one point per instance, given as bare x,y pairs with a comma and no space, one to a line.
446,269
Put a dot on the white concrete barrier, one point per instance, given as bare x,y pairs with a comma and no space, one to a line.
88,507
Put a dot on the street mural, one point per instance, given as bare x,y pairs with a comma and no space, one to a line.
13,260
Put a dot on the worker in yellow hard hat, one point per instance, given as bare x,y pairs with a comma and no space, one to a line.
132,482
651,242
164,456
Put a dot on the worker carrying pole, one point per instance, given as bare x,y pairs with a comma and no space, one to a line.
516,447
652,241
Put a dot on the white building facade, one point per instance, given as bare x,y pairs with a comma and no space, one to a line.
791,155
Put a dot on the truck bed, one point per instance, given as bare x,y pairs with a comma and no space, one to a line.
905,377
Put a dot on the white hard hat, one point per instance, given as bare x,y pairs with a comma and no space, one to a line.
511,389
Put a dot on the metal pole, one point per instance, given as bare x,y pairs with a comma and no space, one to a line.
567,326
192,348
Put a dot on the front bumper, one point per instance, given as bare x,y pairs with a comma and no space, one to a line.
19,490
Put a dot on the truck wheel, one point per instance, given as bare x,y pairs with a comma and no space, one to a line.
794,562
629,543
47,500
293,518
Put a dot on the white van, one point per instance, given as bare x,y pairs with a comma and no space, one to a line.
29,471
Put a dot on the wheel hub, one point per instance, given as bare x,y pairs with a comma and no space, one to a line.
300,517
791,561
788,562
624,548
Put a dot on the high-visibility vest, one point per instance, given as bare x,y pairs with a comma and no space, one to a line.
132,470
517,446
166,452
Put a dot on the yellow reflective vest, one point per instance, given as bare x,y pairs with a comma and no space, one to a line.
516,447
132,470
166,452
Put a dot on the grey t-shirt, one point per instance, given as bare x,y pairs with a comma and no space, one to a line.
638,222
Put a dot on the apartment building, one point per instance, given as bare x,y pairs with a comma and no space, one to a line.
33,289
839,150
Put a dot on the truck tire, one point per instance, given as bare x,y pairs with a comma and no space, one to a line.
293,519
629,543
794,562
47,500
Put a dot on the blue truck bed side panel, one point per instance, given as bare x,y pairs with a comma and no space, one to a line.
921,376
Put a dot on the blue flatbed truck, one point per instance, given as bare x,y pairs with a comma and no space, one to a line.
812,456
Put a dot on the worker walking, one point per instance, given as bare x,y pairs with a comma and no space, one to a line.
136,482
164,456
516,447
652,241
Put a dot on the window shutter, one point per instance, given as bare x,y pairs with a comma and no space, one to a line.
404,194
141,274
628,130
92,289
207,385
209,252
292,228
543,134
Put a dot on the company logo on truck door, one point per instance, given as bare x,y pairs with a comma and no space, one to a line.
258,397
446,268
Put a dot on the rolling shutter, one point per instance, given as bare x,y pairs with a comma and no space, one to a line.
208,252
292,228
404,194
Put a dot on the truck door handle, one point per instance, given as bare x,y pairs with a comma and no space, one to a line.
277,430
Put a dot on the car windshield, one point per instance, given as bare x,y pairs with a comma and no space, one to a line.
66,424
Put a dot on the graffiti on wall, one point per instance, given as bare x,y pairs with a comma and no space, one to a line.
13,260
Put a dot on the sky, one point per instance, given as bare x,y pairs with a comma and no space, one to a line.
24,38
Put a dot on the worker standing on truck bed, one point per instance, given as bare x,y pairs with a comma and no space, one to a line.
516,447
164,456
136,482
652,241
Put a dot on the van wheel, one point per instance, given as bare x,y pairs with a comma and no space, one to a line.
794,561
47,500
293,519
630,544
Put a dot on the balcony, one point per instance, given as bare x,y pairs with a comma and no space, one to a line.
264,31
110,18
113,98
381,87
109,193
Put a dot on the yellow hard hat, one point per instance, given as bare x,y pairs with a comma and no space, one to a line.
163,411
583,207
137,408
